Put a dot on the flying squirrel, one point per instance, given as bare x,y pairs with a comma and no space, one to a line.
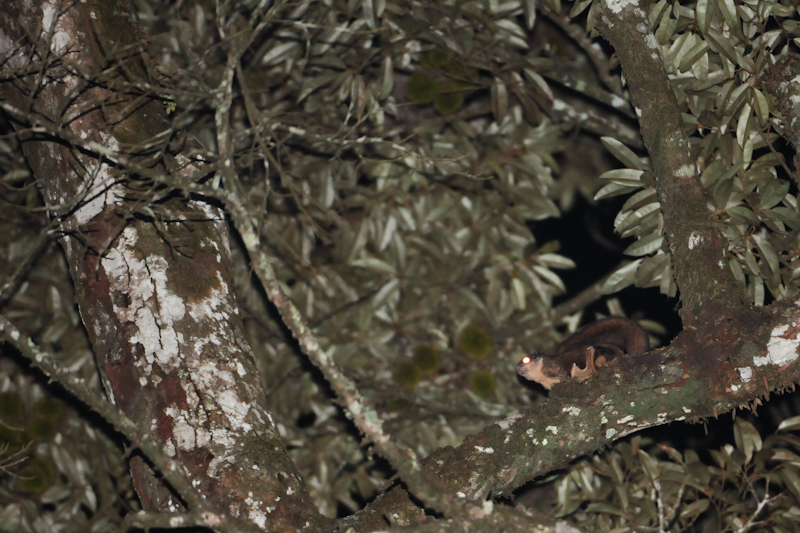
590,347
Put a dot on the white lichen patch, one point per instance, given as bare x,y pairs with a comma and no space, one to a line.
169,448
60,38
481,449
211,212
235,409
209,307
781,347
152,307
685,171
571,410
610,432
694,240
625,419
616,6
99,188
552,429
650,41
255,513
202,437
219,384
745,373
183,434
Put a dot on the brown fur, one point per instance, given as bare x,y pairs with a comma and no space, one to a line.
592,346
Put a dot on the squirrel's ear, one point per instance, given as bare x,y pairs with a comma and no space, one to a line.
584,373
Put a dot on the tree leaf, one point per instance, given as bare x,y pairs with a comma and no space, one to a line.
790,424
645,245
612,189
621,278
499,100
692,56
624,176
555,261
747,438
529,10
623,154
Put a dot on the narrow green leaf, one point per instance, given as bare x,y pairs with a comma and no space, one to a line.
637,216
720,44
791,479
652,267
743,126
579,7
773,193
529,10
612,189
646,245
556,261
621,278
499,100
650,465
693,55
704,14
624,155
747,438
790,424
624,176
693,510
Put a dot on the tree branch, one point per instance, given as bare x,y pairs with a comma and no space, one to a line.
698,249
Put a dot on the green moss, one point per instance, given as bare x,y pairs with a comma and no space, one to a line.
49,407
12,438
10,406
42,429
427,359
38,474
475,342
407,375
450,98
397,404
435,60
482,383
421,89
461,72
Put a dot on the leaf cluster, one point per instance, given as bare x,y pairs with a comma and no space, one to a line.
751,485
717,55
55,467
391,224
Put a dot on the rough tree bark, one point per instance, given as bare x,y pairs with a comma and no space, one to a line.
154,286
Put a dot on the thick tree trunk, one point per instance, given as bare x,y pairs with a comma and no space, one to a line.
154,282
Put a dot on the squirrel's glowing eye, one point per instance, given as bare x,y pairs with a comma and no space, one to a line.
526,360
